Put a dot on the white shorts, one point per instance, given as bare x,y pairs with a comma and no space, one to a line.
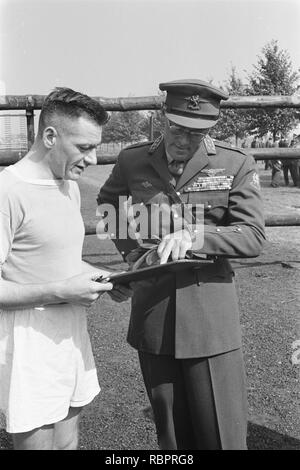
46,365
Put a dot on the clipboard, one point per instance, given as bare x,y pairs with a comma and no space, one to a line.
125,277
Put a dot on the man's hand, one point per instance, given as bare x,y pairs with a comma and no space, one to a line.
175,244
82,289
120,293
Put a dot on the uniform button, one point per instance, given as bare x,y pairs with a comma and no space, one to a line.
218,230
178,193
112,234
176,216
122,252
208,206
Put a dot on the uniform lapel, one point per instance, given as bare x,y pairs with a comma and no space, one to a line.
159,163
196,163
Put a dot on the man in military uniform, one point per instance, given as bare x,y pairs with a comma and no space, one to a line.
185,325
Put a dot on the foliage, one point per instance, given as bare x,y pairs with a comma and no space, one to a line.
157,124
232,122
127,126
273,75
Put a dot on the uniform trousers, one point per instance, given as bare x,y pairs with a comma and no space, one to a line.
293,168
198,404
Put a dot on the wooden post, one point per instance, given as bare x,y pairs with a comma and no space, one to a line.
30,127
151,127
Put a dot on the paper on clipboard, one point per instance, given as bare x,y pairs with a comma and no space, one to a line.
125,277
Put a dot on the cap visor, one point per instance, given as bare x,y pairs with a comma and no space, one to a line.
190,122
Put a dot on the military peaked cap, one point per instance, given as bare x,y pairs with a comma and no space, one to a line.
193,103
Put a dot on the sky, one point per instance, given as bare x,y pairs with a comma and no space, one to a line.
120,48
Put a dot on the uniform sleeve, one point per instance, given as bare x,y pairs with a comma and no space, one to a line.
243,235
113,192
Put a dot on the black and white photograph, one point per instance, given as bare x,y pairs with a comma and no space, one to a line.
150,227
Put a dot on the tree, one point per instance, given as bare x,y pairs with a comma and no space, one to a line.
157,119
273,75
157,124
124,126
232,122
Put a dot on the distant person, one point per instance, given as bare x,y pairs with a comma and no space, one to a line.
276,166
255,143
283,143
260,142
47,369
269,144
292,166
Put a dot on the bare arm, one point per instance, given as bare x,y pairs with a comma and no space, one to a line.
88,268
80,290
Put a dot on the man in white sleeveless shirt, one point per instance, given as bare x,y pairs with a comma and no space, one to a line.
47,369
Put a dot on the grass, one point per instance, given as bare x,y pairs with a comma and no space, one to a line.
268,288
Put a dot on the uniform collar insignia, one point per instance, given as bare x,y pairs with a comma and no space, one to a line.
212,171
156,144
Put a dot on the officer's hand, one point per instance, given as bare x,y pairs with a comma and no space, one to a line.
120,293
175,244
82,289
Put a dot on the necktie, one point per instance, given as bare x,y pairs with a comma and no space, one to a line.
176,168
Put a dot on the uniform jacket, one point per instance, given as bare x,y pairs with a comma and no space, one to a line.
194,313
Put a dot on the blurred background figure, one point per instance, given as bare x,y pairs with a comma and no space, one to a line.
292,166
269,144
255,143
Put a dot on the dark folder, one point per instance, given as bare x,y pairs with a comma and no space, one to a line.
125,277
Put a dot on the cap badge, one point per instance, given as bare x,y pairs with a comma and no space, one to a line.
193,102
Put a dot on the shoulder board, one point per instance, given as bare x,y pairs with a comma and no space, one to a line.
138,144
227,146
156,144
209,145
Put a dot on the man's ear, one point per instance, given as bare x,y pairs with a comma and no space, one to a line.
49,137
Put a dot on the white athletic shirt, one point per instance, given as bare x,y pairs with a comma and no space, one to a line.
41,229
46,360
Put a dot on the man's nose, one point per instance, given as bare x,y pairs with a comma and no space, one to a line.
91,158
184,138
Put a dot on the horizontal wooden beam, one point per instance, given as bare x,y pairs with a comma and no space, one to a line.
271,221
273,153
14,102
9,157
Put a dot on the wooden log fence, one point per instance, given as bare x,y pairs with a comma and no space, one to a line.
29,103
9,157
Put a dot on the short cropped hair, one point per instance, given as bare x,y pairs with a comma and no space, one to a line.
66,102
